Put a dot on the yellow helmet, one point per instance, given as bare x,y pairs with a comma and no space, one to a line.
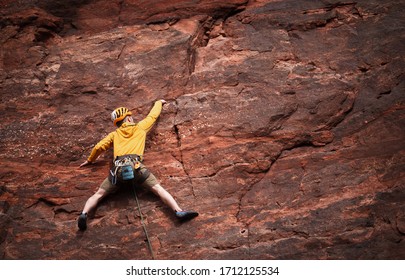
119,114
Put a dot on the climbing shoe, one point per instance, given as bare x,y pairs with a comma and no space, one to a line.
82,222
186,215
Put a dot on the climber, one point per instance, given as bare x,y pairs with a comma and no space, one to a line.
128,142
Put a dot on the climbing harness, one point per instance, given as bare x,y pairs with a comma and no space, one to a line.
128,167
142,221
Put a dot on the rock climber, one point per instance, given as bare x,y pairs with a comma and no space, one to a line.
128,142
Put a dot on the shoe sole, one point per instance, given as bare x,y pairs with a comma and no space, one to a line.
82,223
188,216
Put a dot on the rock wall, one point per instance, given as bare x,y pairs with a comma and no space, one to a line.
284,127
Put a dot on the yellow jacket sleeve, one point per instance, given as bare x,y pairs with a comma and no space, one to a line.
147,123
101,146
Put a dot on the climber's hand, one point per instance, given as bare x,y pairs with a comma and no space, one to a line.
85,163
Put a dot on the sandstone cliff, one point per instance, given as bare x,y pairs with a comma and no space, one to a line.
284,127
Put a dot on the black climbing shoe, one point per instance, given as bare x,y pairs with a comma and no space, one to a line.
186,215
82,222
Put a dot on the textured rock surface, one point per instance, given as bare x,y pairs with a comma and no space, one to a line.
284,128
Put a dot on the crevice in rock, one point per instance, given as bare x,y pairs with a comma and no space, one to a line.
335,15
303,142
225,248
301,188
45,201
250,254
381,94
202,37
199,39
331,7
221,169
121,51
178,137
120,6
64,210
292,146
302,234
249,188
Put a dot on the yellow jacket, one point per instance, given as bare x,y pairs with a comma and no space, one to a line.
130,138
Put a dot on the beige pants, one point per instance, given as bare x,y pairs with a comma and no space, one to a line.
110,188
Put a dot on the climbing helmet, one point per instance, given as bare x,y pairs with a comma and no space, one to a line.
119,114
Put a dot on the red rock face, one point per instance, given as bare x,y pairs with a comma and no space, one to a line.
284,127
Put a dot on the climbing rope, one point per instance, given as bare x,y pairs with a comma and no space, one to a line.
143,223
